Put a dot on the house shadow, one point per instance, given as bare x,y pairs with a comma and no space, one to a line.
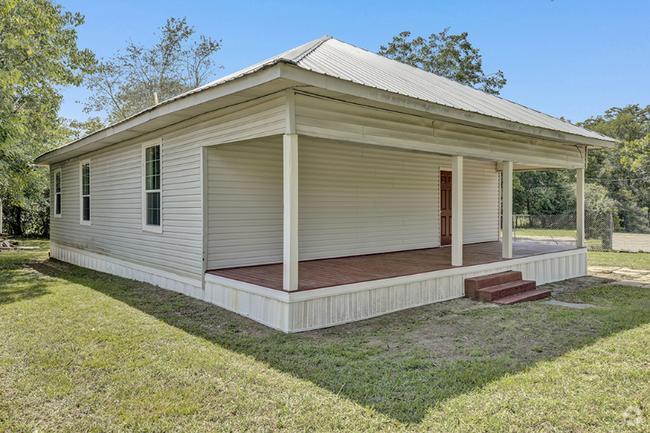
401,364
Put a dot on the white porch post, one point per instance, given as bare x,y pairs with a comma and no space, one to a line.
580,207
204,217
506,240
290,153
290,197
457,211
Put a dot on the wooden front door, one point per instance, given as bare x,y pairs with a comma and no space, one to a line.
445,208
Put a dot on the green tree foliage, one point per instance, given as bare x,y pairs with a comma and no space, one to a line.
598,200
38,56
601,208
625,170
618,180
450,56
72,129
126,83
544,192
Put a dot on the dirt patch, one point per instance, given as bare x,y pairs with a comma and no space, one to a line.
576,284
463,328
618,273
49,265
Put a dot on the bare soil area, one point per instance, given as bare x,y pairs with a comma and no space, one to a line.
464,328
619,274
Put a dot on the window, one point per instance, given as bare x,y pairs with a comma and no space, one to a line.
57,193
152,198
85,192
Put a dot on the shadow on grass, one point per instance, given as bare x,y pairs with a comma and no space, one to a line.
402,364
18,283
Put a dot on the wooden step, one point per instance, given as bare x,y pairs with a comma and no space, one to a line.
476,283
531,295
493,293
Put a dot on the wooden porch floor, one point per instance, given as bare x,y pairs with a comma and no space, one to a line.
315,274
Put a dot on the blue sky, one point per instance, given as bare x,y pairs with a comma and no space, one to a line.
571,58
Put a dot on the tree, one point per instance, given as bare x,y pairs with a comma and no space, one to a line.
129,83
72,129
624,170
544,192
38,56
630,125
450,56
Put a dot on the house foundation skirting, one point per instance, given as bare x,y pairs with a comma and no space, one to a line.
121,268
329,306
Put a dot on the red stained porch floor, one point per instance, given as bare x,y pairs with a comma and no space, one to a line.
314,274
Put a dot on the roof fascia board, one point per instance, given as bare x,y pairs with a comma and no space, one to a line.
137,125
316,79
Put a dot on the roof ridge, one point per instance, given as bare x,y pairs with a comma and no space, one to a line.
298,54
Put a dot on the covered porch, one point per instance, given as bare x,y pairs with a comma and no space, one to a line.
341,290
318,274
355,212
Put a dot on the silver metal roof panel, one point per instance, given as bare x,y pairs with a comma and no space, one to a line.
333,58
337,59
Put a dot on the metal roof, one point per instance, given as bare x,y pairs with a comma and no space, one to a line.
338,59
333,58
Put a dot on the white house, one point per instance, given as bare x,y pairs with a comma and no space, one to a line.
272,191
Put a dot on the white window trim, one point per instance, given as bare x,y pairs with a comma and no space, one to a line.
53,207
146,227
81,196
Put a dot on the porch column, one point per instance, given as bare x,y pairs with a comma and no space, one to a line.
290,197
580,207
204,217
457,211
506,221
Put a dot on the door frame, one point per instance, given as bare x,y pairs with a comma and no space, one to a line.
440,170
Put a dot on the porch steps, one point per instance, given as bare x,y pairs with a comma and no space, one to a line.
503,288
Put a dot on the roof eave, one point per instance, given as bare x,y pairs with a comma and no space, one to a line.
159,116
316,79
171,111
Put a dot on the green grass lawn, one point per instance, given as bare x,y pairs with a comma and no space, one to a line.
86,351
628,260
545,232
549,233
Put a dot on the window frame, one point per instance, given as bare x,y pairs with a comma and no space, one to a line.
145,226
81,192
57,195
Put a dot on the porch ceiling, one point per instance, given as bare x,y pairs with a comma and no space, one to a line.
314,274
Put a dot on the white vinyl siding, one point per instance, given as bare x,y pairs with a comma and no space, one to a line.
352,200
245,204
359,200
116,229
480,202
340,121
117,192
67,226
